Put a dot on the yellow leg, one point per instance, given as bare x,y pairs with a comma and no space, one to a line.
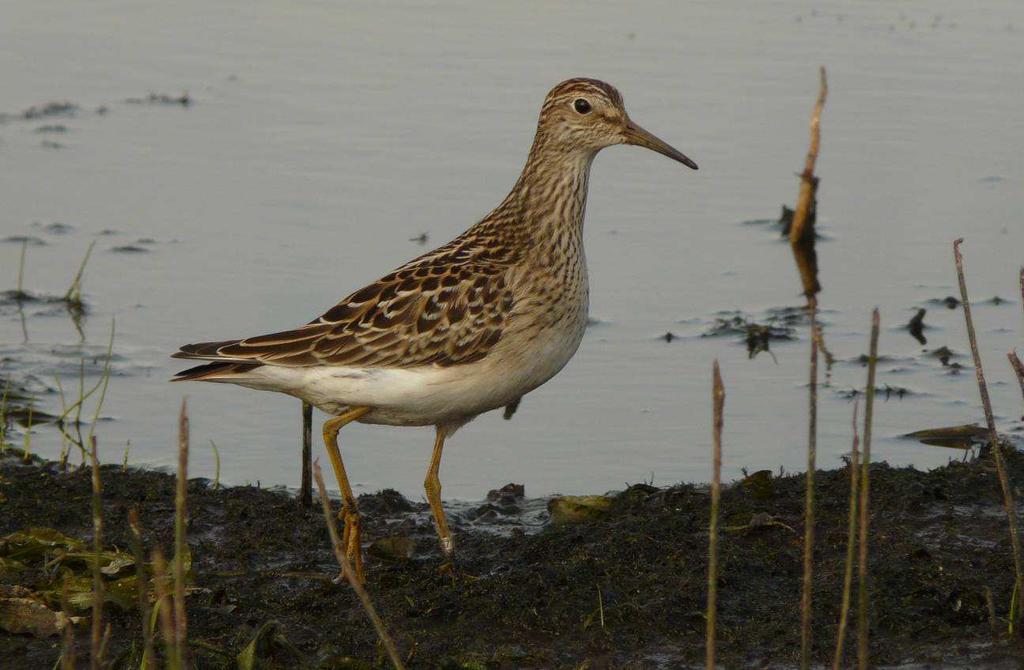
350,511
432,485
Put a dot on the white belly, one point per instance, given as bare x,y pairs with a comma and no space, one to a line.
428,395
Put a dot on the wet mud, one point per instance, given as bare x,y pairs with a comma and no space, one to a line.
540,583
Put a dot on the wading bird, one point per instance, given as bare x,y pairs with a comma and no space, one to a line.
464,329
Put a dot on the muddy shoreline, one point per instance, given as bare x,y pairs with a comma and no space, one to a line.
624,588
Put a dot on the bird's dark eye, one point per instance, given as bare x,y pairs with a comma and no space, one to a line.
581,106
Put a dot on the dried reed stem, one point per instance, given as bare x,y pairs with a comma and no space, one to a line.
216,464
718,401
350,576
306,490
812,455
864,501
807,183
148,662
801,239
997,449
851,543
180,548
95,657
164,606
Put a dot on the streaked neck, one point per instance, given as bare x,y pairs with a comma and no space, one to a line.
551,192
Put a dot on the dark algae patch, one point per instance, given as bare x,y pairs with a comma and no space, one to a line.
623,588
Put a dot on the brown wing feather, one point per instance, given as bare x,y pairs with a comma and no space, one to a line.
448,307
427,312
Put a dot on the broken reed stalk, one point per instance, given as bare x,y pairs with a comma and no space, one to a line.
306,489
801,231
180,547
74,293
997,449
851,543
95,655
140,576
801,239
164,606
349,573
216,464
864,499
718,401
1018,368
27,442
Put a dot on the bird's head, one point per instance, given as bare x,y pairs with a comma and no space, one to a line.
588,115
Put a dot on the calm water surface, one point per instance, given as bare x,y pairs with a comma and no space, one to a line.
323,136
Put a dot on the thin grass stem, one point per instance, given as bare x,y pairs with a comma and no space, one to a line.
148,661
74,292
165,610
180,548
851,543
864,499
95,655
350,576
21,270
997,448
106,382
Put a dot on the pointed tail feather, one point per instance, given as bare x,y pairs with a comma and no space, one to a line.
214,371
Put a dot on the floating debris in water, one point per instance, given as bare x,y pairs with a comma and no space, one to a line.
949,302
739,325
957,437
916,326
182,100
50,109
129,249
786,219
669,336
421,238
52,128
889,391
25,239
944,354
898,391
756,336
55,228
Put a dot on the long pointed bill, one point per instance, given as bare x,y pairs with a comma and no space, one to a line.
636,135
